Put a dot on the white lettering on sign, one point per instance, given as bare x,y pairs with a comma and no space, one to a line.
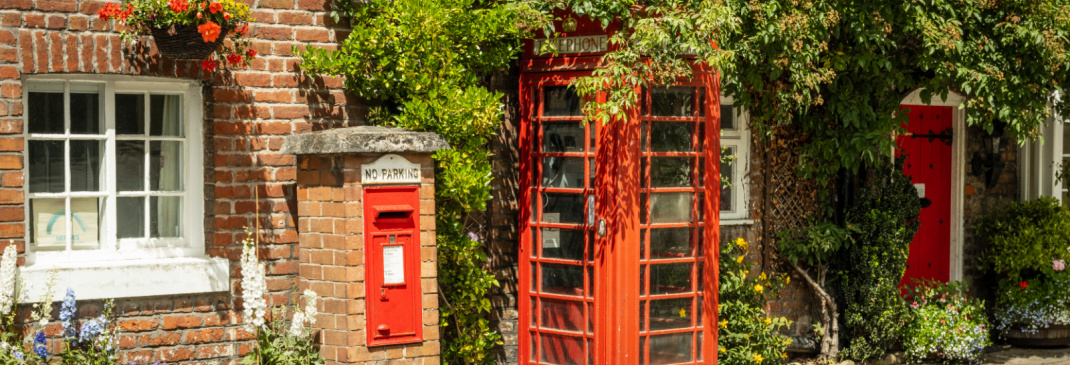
390,169
586,44
393,265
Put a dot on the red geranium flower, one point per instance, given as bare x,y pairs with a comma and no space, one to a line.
244,29
178,6
110,10
208,65
209,31
215,7
234,59
1023,284
251,53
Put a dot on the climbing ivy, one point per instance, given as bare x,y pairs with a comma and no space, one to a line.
424,61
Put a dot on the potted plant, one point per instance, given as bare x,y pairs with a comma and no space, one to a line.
1028,247
207,30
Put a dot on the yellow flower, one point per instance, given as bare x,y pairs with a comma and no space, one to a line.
741,242
724,324
739,260
783,356
723,350
758,288
757,358
762,276
768,321
787,280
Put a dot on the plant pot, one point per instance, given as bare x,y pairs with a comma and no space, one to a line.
1056,335
186,43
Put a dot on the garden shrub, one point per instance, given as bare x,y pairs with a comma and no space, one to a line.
883,220
943,324
746,333
1028,245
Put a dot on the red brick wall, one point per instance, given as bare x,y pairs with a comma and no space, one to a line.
247,112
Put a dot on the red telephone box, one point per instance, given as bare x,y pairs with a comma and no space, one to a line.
392,265
619,222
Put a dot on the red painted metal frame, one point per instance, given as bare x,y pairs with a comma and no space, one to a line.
617,193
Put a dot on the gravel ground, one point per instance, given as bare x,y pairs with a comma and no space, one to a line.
1020,356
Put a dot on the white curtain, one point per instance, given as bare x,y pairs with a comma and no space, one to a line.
169,209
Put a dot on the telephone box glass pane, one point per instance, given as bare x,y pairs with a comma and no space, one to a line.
562,172
562,208
561,101
670,278
561,350
562,279
670,243
562,137
670,207
670,313
565,244
670,349
671,171
562,314
676,101
671,136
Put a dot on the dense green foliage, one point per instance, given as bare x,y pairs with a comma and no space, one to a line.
837,69
276,345
944,325
884,219
746,333
1028,246
1023,237
425,61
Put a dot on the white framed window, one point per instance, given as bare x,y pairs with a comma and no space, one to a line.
114,185
1041,162
735,140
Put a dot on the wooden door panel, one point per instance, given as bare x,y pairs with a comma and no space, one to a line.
928,163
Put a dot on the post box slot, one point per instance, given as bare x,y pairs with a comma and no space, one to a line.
393,215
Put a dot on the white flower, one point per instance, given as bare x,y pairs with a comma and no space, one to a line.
253,288
8,265
303,318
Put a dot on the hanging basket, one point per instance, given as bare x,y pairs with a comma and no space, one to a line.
186,43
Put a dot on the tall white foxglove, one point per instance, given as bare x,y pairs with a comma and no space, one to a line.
253,288
8,265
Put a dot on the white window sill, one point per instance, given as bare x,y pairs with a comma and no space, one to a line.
737,222
128,278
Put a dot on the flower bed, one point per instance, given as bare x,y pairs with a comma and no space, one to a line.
944,325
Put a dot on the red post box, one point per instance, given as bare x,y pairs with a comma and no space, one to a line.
392,264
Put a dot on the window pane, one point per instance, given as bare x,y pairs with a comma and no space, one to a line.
46,166
670,171
129,114
166,111
45,113
670,349
165,216
85,113
727,175
562,208
562,279
670,243
562,314
87,216
562,137
561,350
561,101
670,207
165,172
130,165
48,224
670,278
672,101
670,313
728,117
562,172
671,136
564,244
86,164
131,214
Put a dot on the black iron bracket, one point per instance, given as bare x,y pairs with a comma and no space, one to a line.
945,136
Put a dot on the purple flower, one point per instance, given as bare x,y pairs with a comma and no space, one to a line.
473,236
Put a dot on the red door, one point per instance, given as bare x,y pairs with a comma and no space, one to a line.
616,221
928,149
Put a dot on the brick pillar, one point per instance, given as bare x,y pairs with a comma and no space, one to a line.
332,253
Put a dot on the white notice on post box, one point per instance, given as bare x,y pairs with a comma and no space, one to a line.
393,265
921,190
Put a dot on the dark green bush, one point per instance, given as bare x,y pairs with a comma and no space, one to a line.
884,220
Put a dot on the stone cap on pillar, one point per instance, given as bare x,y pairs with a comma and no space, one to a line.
363,139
